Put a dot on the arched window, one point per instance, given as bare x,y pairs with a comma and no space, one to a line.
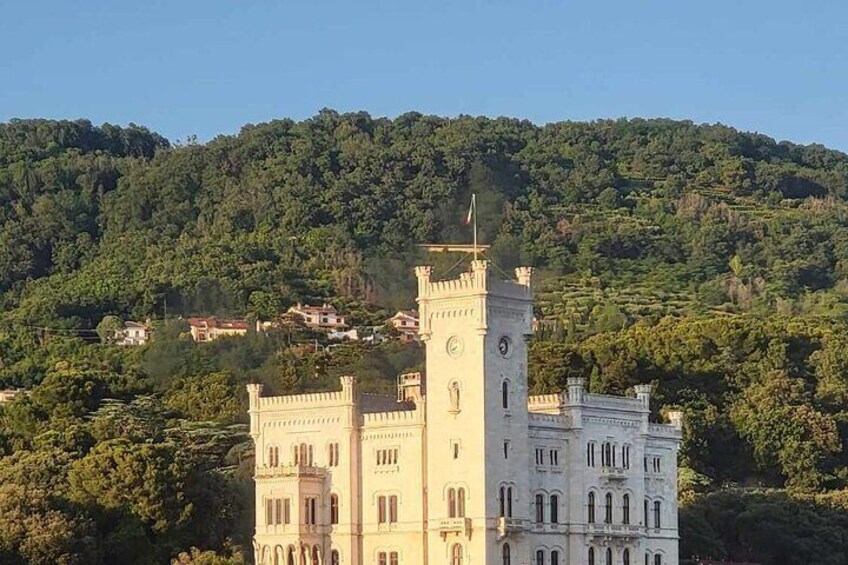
502,502
451,503
591,508
290,558
555,557
609,556
309,461
657,514
505,554
645,517
608,508
393,558
540,508
316,559
456,554
303,454
647,558
460,502
625,509
505,395
509,502
591,556
657,559
334,557
277,556
540,557
296,454
334,509
625,557
393,509
554,511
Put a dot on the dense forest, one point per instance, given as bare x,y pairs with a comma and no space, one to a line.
709,262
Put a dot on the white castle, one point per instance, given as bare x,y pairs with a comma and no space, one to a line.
467,469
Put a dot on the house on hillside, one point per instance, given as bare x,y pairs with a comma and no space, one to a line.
406,323
324,317
210,329
133,333
9,394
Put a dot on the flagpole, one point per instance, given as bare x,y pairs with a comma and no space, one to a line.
474,209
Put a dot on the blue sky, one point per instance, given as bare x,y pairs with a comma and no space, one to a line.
191,67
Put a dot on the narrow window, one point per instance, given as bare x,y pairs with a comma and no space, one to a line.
393,509
334,558
506,450
451,503
393,558
316,560
456,554
460,503
609,556
625,509
591,556
381,509
381,558
555,557
608,508
334,509
657,559
657,513
278,511
290,559
591,507
645,517
554,511
269,511
540,557
310,457
505,554
287,511
456,450
509,502
540,508
502,502
625,557
505,395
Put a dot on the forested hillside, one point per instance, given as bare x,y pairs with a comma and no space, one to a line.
709,262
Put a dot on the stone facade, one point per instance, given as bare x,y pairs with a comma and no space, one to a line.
463,467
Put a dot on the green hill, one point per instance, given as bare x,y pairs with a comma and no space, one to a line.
710,262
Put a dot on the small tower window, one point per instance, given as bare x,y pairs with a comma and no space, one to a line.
505,395
505,554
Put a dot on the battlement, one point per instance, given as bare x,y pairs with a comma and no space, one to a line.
477,281
344,397
545,402
612,402
393,418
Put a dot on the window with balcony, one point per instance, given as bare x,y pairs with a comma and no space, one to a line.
273,456
540,509
591,508
334,509
554,511
625,509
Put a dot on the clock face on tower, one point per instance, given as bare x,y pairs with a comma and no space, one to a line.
504,347
455,346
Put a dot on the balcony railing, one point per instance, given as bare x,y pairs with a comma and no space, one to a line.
291,471
454,526
615,530
508,526
614,473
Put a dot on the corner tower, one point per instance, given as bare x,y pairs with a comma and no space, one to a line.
477,470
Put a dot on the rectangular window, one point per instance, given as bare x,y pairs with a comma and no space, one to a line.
393,509
387,457
506,449
287,511
540,456
278,511
554,455
393,558
456,450
381,509
269,511
381,558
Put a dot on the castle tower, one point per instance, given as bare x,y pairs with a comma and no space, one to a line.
477,471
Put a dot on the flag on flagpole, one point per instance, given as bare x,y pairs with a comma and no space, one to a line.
470,211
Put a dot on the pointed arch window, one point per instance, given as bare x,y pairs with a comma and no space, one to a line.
456,554
591,508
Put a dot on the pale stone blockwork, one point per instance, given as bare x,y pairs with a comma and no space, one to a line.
463,467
